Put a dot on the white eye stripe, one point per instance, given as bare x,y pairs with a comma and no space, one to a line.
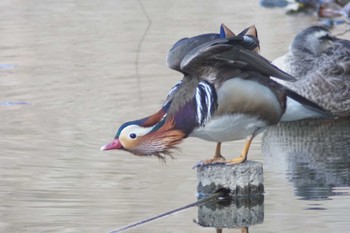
134,131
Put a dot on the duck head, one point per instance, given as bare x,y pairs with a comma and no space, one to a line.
158,140
313,40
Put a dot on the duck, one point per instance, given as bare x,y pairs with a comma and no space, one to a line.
173,61
226,94
321,64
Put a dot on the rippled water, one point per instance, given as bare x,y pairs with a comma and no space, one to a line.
72,71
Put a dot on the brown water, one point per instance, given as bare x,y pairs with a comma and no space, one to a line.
72,71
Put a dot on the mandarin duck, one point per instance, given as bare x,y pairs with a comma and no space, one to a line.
321,64
226,94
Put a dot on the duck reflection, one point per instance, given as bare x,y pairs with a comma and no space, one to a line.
314,154
234,212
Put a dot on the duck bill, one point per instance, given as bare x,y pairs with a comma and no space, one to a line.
114,145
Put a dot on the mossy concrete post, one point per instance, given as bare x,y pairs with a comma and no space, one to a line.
245,184
241,179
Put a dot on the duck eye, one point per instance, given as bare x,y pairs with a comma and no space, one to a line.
132,135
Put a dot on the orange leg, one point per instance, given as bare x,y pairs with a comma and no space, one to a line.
217,158
244,153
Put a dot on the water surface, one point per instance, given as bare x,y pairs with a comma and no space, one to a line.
75,70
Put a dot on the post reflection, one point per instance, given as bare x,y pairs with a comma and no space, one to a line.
313,154
234,213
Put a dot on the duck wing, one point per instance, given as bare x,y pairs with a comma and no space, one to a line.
248,38
336,60
180,49
222,57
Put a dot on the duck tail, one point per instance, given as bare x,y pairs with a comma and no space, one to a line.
298,107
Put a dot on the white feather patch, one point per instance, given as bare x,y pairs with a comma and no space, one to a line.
296,111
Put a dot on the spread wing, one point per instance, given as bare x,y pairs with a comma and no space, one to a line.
222,57
248,38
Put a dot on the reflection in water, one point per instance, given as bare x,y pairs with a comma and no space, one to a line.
74,63
315,154
219,210
232,213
